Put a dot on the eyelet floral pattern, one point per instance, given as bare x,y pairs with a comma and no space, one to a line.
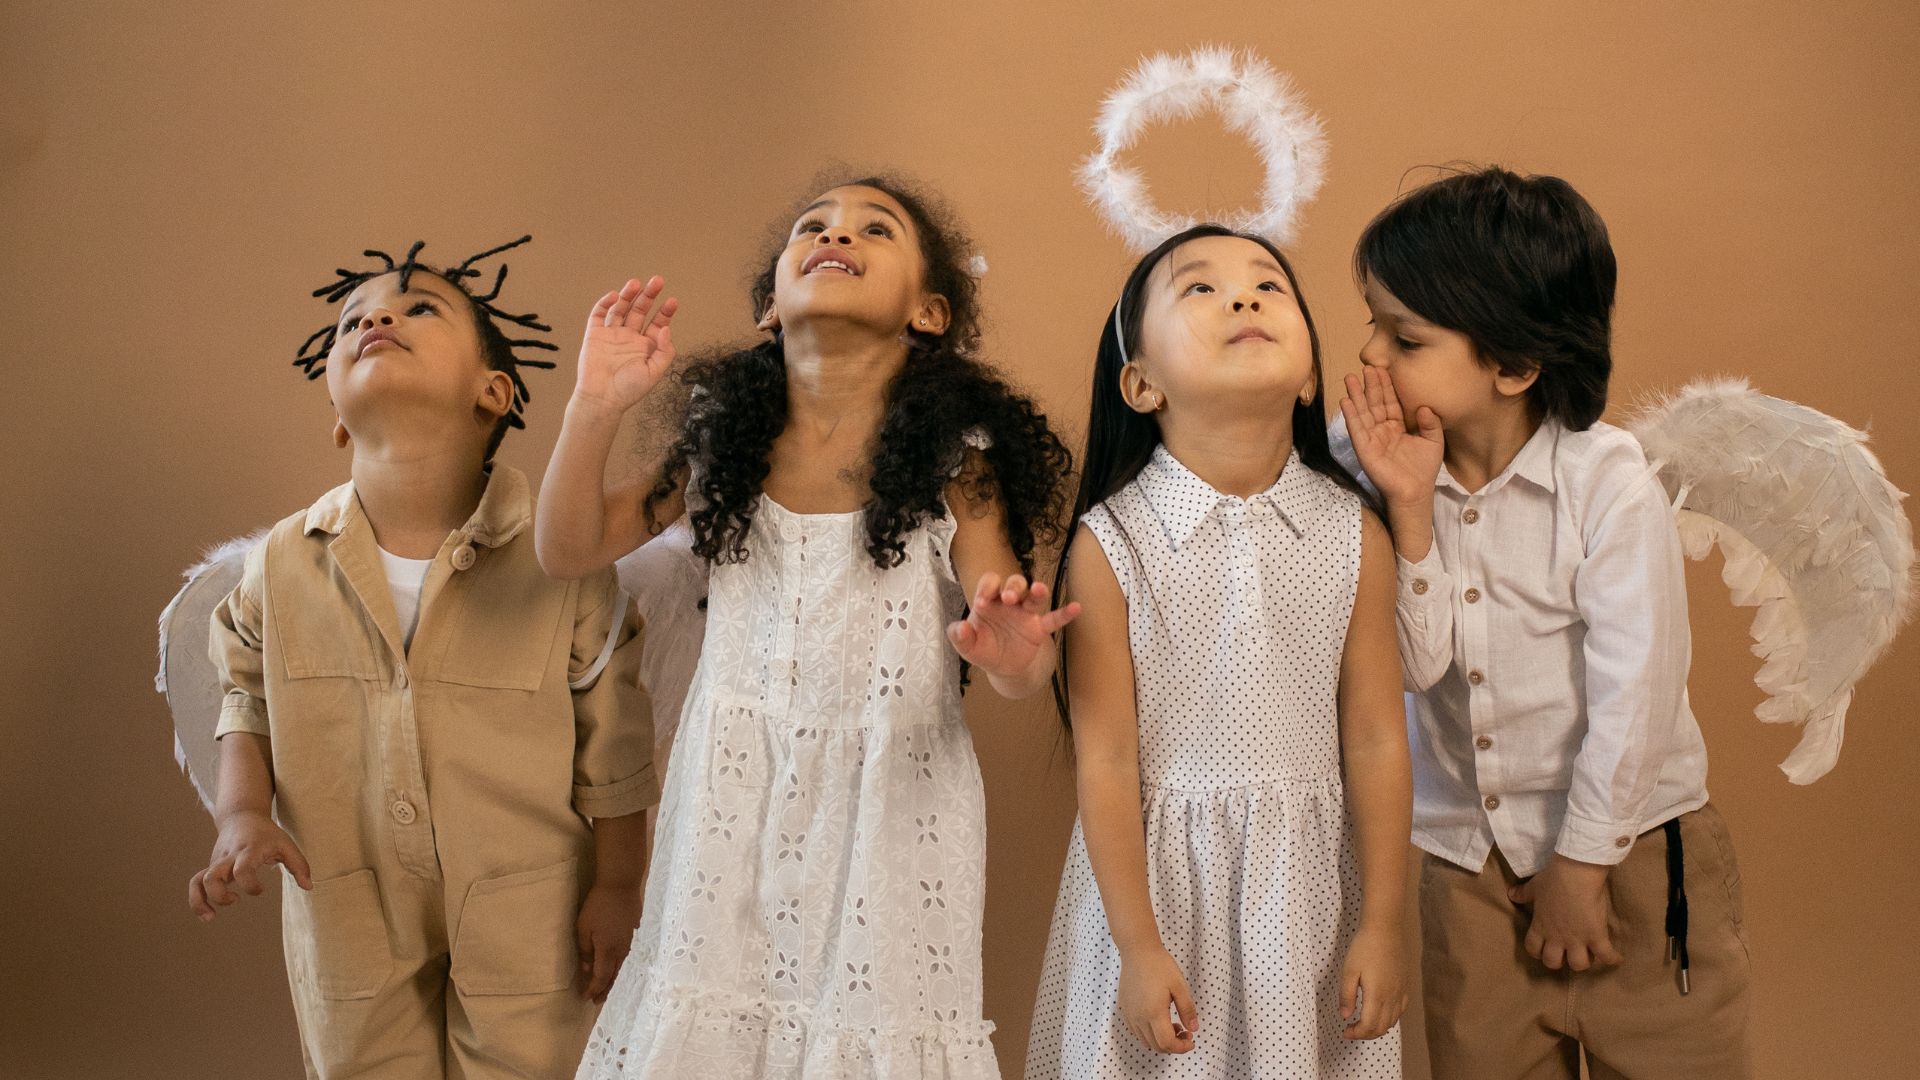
814,906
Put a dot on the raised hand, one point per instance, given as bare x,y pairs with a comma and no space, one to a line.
1400,463
249,841
1009,630
628,345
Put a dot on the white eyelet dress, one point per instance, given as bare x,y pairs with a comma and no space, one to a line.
1237,613
817,883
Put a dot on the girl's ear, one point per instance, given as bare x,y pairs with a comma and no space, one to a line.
340,436
770,322
1139,394
934,315
496,395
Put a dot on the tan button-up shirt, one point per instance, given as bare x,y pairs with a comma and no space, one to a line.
515,715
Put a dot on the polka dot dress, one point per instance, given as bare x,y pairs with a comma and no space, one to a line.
1237,616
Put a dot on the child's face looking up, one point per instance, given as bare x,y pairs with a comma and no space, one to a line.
412,363
854,256
1432,365
1222,329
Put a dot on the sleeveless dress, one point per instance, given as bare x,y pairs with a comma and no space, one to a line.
816,891
1237,613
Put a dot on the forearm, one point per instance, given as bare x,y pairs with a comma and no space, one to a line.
246,776
620,850
1380,791
1110,821
571,524
1411,521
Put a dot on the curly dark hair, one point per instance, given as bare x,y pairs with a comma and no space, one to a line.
734,403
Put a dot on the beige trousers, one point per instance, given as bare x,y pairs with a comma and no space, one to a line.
1495,1013
384,989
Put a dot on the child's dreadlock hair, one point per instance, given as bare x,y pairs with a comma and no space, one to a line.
496,348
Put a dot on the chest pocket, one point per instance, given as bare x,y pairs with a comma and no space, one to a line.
319,633
500,628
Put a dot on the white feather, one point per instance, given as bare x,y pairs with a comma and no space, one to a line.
1812,534
195,702
1253,100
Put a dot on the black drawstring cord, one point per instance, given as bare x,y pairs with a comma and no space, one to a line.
1677,902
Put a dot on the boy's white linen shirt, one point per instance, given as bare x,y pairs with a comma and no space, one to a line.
1545,638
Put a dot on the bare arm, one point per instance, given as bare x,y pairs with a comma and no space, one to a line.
249,839
580,525
1379,782
1106,738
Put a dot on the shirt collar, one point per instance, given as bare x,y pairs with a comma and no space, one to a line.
506,507
1183,502
1534,463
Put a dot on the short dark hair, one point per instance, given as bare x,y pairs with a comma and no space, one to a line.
1519,264
497,350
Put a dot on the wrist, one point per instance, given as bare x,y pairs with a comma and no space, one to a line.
583,408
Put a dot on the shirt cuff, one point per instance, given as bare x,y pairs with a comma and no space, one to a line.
620,798
242,713
1602,842
1424,582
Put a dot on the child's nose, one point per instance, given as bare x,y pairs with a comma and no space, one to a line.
376,317
835,236
1246,303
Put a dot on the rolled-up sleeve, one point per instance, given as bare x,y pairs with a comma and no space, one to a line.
1631,591
234,643
613,768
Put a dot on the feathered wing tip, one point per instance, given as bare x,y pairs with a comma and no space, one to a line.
1253,99
185,673
1813,536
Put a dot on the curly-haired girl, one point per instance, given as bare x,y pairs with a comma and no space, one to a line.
815,901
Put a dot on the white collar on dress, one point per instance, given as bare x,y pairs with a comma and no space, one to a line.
1183,502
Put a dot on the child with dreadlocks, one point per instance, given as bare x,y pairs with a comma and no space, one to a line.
855,482
433,721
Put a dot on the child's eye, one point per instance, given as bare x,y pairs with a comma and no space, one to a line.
1198,286
809,226
1405,345
881,228
1271,286
421,306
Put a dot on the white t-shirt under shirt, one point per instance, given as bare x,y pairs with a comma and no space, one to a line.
405,579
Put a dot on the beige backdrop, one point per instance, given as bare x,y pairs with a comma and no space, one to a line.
176,177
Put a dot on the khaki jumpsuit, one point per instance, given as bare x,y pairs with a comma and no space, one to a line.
441,794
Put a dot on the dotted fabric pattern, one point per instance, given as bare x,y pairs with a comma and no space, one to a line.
1237,615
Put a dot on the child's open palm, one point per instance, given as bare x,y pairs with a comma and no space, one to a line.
1008,625
628,345
1400,463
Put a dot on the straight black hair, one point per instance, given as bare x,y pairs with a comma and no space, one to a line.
1120,440
1519,264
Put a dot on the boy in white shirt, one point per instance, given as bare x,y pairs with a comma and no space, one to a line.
1559,775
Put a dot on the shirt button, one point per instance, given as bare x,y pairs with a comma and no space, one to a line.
1492,802
1484,742
463,557
1623,841
403,812
1470,516
1419,586
1473,596
789,531
1476,678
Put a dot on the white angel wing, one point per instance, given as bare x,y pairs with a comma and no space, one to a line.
187,676
1812,533
668,583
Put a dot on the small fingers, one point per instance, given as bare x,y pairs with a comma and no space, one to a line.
215,879
1578,958
622,303
641,313
1013,590
598,316
1553,955
1060,617
986,591
197,898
